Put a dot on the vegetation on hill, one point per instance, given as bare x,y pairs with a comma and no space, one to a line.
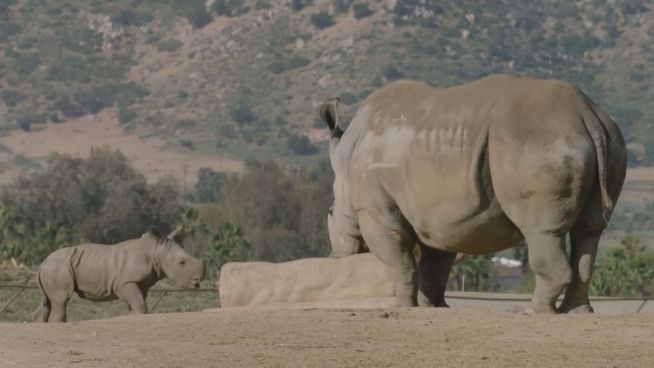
244,77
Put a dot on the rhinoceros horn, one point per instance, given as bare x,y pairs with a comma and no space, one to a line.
175,232
329,114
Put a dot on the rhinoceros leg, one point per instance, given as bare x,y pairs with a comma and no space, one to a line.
549,262
390,241
583,249
434,269
132,295
43,311
57,285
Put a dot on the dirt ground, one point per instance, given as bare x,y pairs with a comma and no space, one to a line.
240,337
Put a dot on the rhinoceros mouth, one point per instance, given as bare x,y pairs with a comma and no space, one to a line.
195,285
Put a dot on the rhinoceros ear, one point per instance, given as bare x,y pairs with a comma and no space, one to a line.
329,114
174,234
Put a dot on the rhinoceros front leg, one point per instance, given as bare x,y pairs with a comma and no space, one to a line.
434,268
133,296
393,245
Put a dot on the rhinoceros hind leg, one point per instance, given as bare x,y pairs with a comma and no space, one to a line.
583,250
549,262
43,311
433,269
133,296
389,240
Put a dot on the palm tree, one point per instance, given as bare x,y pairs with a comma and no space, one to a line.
192,225
626,270
227,245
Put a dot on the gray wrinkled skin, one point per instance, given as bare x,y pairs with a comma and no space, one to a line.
123,271
474,169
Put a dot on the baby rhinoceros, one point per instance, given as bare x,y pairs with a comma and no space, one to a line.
124,271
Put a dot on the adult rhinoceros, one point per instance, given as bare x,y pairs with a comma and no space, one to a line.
124,271
474,169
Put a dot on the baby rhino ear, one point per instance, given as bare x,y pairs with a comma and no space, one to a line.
154,234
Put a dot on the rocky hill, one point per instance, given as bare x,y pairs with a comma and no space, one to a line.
243,78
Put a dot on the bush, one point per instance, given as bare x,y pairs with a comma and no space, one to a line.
242,114
127,17
298,5
100,198
69,108
342,6
262,5
229,8
300,145
322,20
392,73
208,185
348,98
26,120
195,11
11,98
362,11
125,115
169,45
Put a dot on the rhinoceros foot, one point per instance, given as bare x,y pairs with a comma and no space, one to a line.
576,307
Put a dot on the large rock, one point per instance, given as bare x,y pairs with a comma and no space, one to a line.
360,276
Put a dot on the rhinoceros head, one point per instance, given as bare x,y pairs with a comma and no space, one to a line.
180,267
343,226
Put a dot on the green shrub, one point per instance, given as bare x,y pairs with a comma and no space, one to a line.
208,185
322,20
125,114
127,17
11,98
349,98
298,5
26,120
169,45
242,114
195,11
362,11
300,145
342,6
69,108
297,62
262,5
229,8
392,73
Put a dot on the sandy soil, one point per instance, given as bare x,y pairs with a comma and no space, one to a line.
334,338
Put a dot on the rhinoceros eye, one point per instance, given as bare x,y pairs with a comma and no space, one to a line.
331,210
182,262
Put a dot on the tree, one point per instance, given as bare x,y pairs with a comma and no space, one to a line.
477,272
101,198
227,245
192,226
208,184
626,270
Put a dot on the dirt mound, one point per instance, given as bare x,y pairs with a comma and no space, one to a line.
414,337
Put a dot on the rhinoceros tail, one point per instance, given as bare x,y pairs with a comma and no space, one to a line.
598,135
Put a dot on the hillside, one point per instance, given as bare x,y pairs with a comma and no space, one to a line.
243,78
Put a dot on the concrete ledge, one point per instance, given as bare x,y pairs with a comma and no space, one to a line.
361,276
